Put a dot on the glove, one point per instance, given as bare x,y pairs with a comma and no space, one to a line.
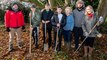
23,27
101,19
99,35
86,33
8,29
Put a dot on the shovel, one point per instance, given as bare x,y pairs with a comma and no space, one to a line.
56,40
45,44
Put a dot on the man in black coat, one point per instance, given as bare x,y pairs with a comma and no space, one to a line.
46,19
58,22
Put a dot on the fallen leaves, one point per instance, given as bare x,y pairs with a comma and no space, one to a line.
100,51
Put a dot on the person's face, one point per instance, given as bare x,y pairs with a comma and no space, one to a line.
59,10
15,6
33,9
79,5
89,10
47,7
67,11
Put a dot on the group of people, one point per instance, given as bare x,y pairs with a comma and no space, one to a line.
79,21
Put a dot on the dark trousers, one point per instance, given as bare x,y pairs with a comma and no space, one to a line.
59,39
78,33
67,37
35,34
48,30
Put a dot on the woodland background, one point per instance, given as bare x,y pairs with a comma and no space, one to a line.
100,46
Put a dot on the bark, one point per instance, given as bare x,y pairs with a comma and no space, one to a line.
102,8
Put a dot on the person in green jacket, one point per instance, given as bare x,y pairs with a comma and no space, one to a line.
35,16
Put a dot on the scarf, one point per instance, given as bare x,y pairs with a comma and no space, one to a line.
90,15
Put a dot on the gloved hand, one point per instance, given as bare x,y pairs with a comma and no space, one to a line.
86,33
101,19
23,27
99,35
8,29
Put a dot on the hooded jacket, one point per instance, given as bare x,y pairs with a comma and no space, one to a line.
14,19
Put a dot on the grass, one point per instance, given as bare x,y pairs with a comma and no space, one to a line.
1,23
61,56
0,49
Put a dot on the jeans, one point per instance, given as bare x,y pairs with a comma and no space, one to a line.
35,35
67,37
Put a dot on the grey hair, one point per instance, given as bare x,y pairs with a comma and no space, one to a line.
80,1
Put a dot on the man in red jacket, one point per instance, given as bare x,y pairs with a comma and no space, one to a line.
14,23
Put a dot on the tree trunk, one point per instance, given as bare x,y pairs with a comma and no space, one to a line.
51,2
67,2
102,8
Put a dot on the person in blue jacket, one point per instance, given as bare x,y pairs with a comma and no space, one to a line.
68,28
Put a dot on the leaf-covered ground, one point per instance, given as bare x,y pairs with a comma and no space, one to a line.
100,49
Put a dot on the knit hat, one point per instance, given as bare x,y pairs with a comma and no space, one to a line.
33,6
15,3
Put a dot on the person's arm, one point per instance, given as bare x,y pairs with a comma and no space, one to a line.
101,20
42,17
49,17
63,23
83,25
22,18
7,19
72,23
30,15
97,19
38,18
51,14
53,21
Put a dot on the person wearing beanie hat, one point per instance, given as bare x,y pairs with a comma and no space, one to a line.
33,6
78,14
14,23
35,16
